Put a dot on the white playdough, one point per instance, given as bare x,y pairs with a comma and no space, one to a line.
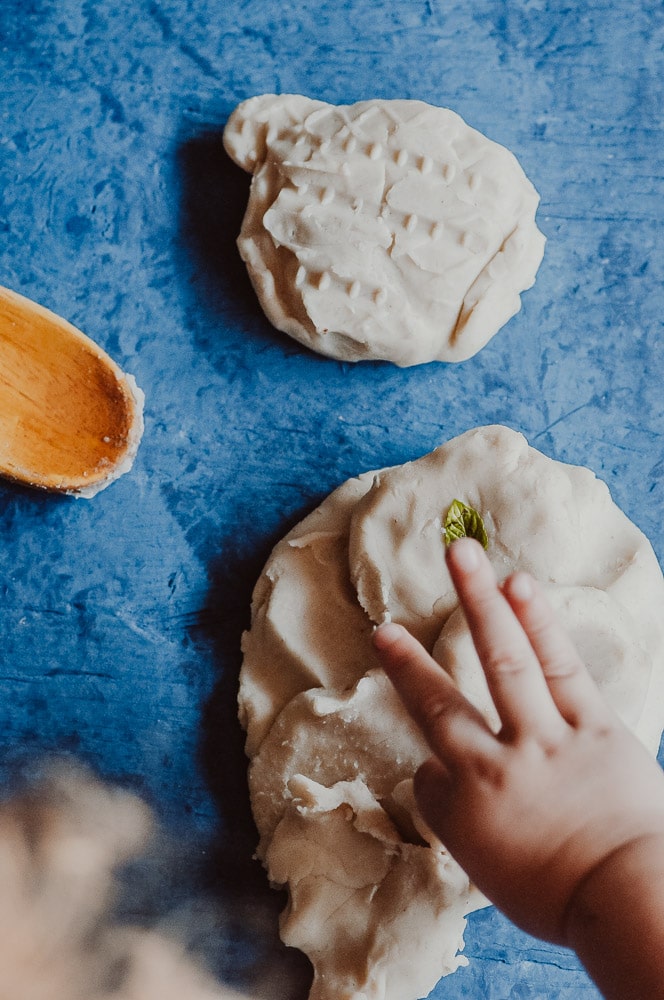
375,900
382,230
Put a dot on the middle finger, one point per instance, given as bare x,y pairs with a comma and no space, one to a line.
513,673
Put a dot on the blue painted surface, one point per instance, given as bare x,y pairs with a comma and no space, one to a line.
120,617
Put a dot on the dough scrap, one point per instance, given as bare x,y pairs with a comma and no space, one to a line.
357,889
384,229
375,901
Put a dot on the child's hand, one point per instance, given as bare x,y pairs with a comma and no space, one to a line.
535,812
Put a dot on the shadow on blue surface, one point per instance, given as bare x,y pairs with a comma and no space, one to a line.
214,193
230,874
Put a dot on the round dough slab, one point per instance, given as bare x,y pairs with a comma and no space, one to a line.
332,751
382,230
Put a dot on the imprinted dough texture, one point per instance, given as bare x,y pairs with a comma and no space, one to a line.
375,900
382,230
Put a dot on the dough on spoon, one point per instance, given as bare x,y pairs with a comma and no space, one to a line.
382,230
70,419
375,900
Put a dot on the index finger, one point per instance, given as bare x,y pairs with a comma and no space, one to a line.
450,724
513,673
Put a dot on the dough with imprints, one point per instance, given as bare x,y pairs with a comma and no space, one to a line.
384,229
374,898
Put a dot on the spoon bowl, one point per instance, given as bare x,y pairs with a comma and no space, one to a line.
70,419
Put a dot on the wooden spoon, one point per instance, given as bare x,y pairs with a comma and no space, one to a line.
70,419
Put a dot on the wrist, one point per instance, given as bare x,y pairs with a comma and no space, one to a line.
614,920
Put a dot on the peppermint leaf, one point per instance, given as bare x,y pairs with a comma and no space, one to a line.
463,522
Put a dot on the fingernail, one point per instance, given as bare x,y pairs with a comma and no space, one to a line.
386,635
521,586
466,554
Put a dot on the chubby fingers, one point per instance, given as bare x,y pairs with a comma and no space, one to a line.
517,685
447,719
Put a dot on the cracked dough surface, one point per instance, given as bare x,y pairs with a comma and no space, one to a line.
375,901
384,229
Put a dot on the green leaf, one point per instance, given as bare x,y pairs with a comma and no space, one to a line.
463,522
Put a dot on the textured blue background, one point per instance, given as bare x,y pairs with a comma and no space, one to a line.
121,617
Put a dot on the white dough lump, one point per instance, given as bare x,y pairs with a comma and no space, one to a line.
375,900
382,230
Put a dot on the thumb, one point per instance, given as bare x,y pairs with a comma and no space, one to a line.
433,786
